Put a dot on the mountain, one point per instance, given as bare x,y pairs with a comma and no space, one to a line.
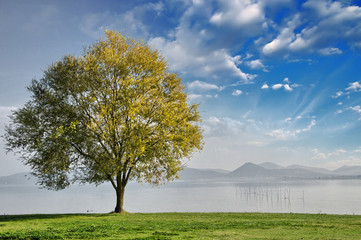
247,170
270,165
193,174
19,179
251,170
348,170
266,170
312,169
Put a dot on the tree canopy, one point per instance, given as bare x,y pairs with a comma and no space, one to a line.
113,114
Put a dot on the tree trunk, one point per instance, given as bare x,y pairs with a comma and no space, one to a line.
120,199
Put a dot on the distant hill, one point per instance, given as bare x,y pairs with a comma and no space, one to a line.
312,169
193,173
348,170
270,165
18,179
271,170
247,170
251,170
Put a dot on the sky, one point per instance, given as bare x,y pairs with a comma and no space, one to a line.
276,80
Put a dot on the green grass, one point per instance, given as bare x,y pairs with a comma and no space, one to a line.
181,226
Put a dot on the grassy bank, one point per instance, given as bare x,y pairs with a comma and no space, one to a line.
181,226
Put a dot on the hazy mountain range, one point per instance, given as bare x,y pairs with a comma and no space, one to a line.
272,170
247,170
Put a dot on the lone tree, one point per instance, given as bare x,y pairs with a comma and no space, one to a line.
114,114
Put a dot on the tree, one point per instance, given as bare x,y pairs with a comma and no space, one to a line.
114,114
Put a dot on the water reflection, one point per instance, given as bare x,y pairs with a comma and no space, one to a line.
267,197
340,197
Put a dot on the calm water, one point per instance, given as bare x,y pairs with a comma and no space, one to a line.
338,197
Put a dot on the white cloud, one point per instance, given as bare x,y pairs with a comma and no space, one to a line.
237,92
357,150
281,43
356,109
283,134
265,86
338,94
277,86
211,64
308,128
286,80
256,64
203,86
355,86
217,127
330,51
238,13
317,154
287,87
317,28
206,49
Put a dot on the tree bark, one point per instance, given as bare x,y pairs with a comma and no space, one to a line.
120,199
119,186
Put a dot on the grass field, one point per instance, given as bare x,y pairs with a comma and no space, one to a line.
181,226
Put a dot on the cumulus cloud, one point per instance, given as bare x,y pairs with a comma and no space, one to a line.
277,86
206,49
286,86
238,13
237,92
203,64
265,86
203,86
281,43
319,26
256,64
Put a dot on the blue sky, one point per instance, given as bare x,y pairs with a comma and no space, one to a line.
277,80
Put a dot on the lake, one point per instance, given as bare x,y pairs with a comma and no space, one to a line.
308,196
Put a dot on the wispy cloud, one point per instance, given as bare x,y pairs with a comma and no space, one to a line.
317,154
353,87
330,51
285,134
131,22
